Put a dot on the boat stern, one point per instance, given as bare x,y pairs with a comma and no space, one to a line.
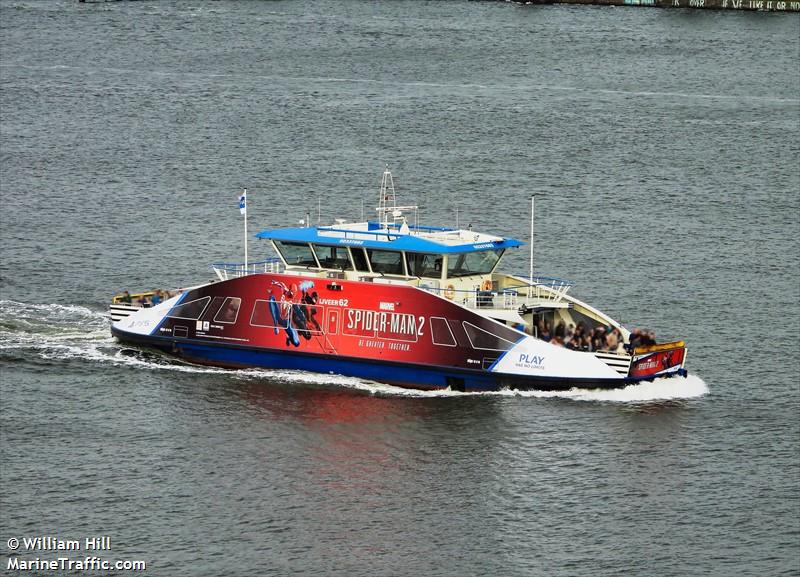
658,360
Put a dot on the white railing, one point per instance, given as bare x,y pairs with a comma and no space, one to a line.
543,288
543,291
225,270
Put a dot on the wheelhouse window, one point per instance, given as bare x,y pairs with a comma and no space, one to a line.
296,253
472,263
333,257
386,261
360,259
424,265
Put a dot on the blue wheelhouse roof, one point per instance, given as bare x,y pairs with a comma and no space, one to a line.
381,239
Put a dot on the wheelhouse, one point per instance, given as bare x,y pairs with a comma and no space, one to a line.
380,252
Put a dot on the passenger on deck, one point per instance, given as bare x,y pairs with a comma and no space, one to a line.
560,330
570,333
143,301
599,338
575,343
126,298
613,339
642,338
156,298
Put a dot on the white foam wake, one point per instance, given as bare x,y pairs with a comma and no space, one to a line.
689,387
673,388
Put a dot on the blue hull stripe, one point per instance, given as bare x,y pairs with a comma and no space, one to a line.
420,377
402,374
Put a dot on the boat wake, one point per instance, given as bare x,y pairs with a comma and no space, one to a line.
77,333
675,388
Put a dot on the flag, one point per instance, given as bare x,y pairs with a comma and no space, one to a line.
243,203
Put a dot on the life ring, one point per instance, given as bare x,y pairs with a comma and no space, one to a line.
486,285
450,292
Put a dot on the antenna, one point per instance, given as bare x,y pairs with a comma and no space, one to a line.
387,202
530,279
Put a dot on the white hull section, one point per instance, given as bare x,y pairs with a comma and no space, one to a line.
533,357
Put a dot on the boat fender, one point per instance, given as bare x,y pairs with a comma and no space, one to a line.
486,285
450,292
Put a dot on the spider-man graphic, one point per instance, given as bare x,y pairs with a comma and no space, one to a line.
294,310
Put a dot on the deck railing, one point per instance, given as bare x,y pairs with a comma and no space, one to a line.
227,270
543,287
544,290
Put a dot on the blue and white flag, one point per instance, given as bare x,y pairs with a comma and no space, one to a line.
243,203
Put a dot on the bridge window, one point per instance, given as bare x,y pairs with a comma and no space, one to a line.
386,261
360,259
472,263
296,253
192,310
333,257
424,265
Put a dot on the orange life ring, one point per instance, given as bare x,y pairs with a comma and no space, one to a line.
450,292
486,285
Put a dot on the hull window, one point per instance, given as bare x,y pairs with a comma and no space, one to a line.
441,333
229,311
483,339
282,315
269,314
192,310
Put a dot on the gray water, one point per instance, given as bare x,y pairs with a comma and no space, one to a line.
662,147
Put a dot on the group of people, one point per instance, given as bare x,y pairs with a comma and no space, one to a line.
599,338
156,297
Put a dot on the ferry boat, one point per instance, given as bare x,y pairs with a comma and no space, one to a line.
396,302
